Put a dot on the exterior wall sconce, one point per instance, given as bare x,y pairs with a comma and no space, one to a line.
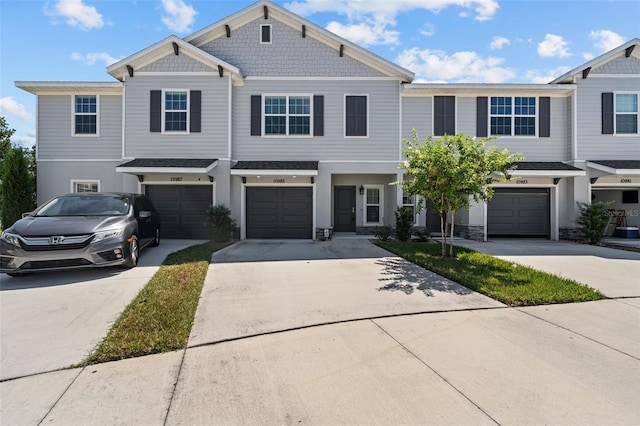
361,190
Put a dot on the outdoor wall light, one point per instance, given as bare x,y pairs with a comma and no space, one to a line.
361,190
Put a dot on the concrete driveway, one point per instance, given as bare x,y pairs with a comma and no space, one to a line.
52,320
257,287
616,273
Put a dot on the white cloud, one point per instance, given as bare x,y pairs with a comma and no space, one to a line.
9,107
553,46
92,58
606,40
460,67
365,34
588,56
484,9
366,16
499,42
77,14
428,30
544,77
178,15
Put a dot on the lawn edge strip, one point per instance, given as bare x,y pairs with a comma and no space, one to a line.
508,282
159,319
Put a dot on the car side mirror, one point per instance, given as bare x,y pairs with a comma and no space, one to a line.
145,214
26,214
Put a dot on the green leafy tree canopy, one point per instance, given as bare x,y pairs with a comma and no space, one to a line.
452,171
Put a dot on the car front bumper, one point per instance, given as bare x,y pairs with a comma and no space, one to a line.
104,253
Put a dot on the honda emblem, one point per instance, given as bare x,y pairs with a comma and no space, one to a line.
55,240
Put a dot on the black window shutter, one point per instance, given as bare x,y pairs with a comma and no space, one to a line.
195,111
356,116
256,115
318,115
155,111
444,115
607,113
544,124
482,116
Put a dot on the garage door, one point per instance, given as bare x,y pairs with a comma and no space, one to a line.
182,209
279,212
519,212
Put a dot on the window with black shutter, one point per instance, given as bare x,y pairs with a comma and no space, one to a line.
356,116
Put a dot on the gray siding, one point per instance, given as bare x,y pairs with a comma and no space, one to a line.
619,65
592,144
553,148
417,113
211,142
382,143
312,58
55,128
176,63
54,177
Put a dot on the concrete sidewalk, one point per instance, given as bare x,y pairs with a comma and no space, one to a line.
506,366
616,273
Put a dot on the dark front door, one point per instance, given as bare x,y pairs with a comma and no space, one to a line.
344,214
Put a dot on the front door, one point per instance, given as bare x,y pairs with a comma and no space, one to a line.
344,214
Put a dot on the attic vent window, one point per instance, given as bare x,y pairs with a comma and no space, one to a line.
265,34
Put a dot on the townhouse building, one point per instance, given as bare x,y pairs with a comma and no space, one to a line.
299,131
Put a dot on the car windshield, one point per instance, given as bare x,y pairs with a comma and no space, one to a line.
82,205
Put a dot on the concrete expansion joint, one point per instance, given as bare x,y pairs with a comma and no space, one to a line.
578,334
61,395
175,385
435,371
303,327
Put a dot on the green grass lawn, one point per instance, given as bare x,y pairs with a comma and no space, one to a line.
510,283
160,317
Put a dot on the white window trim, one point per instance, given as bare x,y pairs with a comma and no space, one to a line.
413,205
175,132
344,110
75,182
73,116
286,134
270,34
380,189
513,117
615,115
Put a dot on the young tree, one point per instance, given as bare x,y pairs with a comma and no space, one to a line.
5,141
451,171
17,188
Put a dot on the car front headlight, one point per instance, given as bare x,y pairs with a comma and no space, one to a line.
12,239
99,236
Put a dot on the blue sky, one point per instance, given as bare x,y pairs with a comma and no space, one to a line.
496,41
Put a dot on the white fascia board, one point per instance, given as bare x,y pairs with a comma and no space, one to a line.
611,170
598,61
430,89
167,170
54,87
164,47
254,11
257,172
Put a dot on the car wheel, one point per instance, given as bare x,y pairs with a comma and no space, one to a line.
132,253
156,239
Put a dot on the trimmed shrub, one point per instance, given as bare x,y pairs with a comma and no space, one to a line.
404,223
220,223
593,220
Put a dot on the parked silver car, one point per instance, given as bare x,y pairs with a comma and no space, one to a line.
81,230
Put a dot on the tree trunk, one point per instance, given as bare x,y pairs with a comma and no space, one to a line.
453,213
443,233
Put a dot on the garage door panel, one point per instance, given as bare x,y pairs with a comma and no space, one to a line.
182,209
279,212
514,212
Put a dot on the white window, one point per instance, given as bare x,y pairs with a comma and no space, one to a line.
513,116
373,205
626,113
265,34
86,185
85,115
175,111
287,115
409,202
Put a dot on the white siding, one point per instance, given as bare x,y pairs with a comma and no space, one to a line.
383,120
55,127
211,142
